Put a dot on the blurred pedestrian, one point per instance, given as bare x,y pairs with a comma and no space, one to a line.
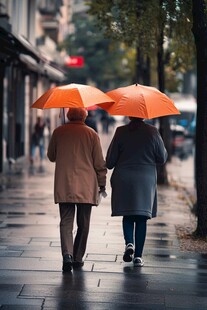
80,173
104,121
91,120
47,132
134,152
37,140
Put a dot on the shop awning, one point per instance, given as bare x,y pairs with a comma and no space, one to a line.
42,68
15,48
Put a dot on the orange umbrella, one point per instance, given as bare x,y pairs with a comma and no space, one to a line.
71,96
92,108
139,101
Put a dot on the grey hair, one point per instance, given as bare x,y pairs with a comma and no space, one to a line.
77,114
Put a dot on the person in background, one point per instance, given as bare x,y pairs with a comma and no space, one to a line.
37,140
47,132
134,152
91,120
104,122
80,174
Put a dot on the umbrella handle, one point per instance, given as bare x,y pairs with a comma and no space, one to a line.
62,115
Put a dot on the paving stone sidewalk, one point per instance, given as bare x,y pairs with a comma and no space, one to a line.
30,258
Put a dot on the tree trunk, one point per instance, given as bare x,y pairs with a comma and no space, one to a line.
142,74
146,71
138,73
162,177
200,35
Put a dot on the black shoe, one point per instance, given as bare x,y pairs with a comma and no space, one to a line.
67,263
77,265
129,252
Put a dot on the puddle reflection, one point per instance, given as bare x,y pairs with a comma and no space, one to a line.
71,291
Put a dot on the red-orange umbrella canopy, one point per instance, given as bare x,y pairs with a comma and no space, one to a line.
71,96
92,108
139,101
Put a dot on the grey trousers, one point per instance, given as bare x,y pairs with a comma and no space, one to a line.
67,214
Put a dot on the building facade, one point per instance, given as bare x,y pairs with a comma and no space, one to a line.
30,31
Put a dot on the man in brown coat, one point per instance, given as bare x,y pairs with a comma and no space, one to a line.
80,173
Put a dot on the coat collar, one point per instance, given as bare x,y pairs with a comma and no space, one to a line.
76,122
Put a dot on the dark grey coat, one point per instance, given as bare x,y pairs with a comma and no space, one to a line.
134,152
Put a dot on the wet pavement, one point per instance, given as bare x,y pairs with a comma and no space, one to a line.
31,262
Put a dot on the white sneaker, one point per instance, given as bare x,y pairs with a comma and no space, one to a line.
138,262
129,252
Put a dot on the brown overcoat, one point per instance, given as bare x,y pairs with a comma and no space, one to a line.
80,168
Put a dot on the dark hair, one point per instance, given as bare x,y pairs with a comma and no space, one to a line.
135,122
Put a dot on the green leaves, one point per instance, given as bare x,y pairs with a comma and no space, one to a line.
140,24
104,59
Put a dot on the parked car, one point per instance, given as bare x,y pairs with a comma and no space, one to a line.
182,142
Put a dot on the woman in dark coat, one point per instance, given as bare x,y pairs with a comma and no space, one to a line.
134,152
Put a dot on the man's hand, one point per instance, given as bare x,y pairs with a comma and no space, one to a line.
102,189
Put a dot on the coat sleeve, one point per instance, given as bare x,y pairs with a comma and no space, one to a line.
99,162
51,152
160,150
112,153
